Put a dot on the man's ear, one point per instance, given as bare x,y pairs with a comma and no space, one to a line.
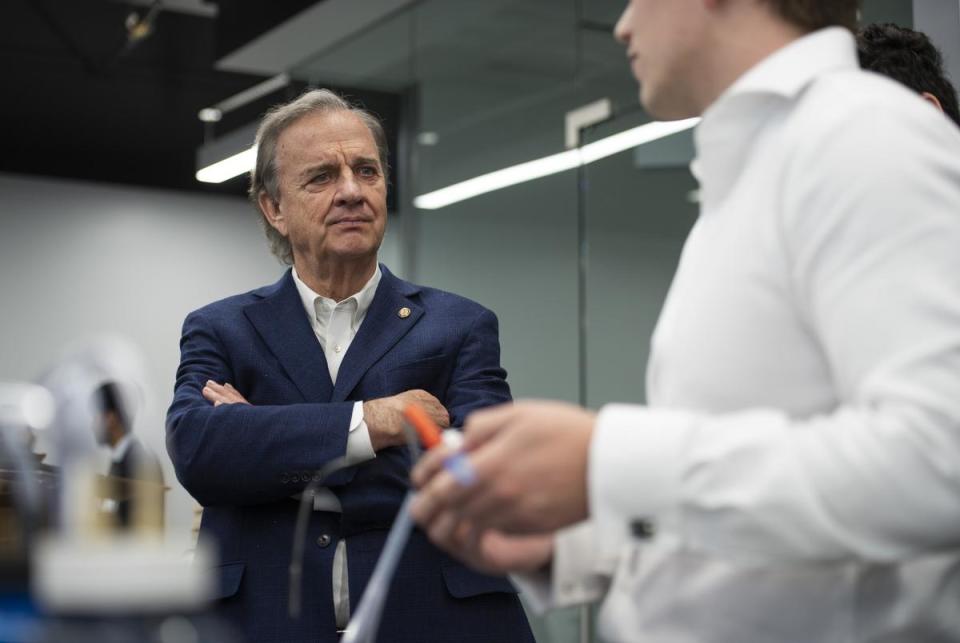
930,98
271,210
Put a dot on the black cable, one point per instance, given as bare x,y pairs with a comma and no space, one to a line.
295,589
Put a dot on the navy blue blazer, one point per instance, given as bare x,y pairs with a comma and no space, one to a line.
243,463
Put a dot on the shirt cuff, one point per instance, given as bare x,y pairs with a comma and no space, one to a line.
576,575
359,446
635,469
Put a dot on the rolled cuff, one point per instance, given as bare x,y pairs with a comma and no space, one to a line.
576,576
635,469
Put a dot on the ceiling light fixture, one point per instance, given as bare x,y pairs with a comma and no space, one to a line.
210,115
229,167
552,164
218,158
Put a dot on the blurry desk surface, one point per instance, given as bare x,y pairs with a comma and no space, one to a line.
48,477
111,495
116,488
44,476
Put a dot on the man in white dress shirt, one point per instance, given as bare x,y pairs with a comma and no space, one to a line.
796,474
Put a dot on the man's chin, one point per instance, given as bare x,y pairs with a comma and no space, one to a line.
663,108
356,251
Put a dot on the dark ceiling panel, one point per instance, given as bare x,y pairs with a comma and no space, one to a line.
79,104
241,21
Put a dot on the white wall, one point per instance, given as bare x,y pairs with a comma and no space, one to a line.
78,259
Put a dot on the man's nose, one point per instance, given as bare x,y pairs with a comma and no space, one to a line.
348,189
621,30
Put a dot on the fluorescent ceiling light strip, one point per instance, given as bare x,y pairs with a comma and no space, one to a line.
229,167
497,180
555,163
632,138
552,164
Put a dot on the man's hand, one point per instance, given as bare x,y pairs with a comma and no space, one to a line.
384,416
222,394
530,461
490,551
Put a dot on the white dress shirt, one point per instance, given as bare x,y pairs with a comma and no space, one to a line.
119,451
800,455
335,323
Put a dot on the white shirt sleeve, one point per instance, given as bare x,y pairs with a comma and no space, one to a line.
359,446
874,248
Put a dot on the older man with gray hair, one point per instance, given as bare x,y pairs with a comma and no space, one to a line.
277,383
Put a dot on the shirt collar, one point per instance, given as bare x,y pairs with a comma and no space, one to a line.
732,122
363,298
120,449
787,71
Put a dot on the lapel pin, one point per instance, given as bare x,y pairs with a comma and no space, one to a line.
403,313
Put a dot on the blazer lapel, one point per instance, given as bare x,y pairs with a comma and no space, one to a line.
282,323
382,328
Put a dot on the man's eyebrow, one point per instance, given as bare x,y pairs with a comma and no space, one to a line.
365,160
312,169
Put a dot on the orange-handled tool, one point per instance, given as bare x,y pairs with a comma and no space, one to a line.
427,430
457,462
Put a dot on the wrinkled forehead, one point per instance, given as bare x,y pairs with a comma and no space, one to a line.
329,136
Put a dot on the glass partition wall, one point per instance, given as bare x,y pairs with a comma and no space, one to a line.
576,264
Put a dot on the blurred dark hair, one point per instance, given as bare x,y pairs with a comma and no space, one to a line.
811,15
909,57
110,400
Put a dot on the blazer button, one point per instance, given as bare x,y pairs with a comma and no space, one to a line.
323,540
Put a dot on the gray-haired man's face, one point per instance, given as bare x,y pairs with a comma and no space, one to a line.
333,195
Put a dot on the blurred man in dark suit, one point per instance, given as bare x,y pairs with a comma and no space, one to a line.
130,461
